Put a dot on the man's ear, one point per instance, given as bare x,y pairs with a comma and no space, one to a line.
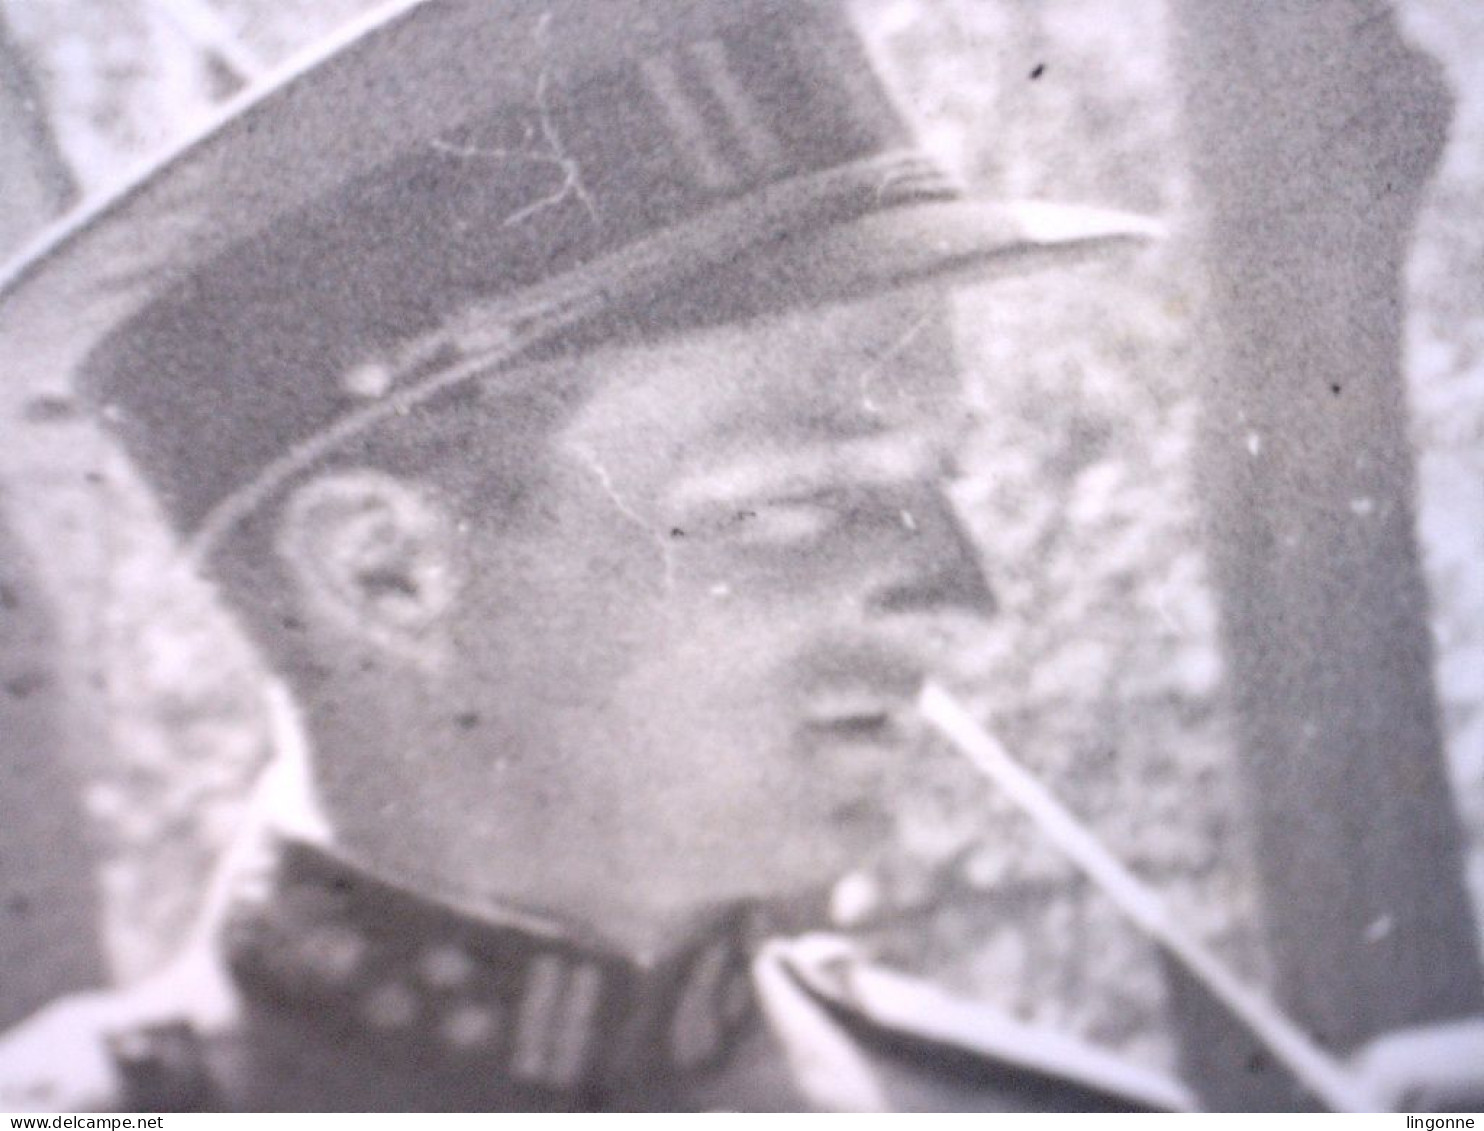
374,556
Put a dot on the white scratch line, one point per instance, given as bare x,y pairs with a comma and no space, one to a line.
880,362
1339,1088
554,154
571,174
600,473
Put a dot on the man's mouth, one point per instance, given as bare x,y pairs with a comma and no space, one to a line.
852,714
863,692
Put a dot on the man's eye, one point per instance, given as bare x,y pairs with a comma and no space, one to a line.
786,523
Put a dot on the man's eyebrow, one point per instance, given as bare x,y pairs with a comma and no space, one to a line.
883,459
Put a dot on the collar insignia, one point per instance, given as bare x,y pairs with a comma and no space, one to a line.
513,999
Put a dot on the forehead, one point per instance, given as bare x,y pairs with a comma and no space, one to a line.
818,375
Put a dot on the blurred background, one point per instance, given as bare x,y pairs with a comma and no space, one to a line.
1104,672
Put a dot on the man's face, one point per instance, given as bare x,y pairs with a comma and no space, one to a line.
692,647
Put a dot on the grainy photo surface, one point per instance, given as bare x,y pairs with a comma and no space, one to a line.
741,555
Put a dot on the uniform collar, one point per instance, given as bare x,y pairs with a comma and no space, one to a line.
531,1002
538,1002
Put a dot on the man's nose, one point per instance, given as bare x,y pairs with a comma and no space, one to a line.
939,569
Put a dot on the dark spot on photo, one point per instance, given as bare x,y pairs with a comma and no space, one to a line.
27,683
49,409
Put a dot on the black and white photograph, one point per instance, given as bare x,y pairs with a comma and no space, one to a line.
741,555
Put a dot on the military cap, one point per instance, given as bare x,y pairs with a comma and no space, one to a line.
459,181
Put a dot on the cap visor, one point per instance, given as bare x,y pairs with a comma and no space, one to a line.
953,241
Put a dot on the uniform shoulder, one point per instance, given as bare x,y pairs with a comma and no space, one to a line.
87,1051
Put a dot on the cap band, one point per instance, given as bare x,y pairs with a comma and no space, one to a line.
499,331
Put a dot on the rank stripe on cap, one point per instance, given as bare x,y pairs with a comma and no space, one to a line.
701,77
742,113
687,124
